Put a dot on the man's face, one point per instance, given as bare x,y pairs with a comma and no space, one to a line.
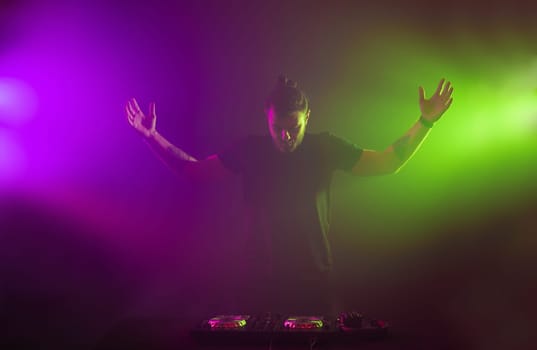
287,131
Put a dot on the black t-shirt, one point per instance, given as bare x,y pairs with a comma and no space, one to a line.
287,198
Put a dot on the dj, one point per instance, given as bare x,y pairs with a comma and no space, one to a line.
286,181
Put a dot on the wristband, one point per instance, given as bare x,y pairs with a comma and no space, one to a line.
426,123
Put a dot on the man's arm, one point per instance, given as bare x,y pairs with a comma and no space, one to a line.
396,155
179,161
183,164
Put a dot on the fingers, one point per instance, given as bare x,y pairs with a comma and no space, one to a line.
129,113
135,106
449,103
421,93
447,94
132,107
134,114
445,91
439,87
152,113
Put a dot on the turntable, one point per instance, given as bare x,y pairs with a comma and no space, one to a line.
303,322
231,322
268,328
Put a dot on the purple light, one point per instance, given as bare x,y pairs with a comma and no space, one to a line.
12,159
18,101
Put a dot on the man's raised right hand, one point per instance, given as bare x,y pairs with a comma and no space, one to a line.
145,125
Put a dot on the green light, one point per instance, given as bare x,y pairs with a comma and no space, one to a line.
479,158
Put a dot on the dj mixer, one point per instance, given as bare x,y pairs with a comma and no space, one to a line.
279,328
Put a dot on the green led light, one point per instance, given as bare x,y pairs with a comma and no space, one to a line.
478,159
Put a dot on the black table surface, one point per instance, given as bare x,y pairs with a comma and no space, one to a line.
164,334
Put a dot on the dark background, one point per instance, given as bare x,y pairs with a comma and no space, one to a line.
97,233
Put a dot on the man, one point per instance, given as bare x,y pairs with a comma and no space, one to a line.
286,180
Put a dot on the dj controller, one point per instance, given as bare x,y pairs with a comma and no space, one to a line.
278,328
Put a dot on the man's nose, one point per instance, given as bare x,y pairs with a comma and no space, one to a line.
285,135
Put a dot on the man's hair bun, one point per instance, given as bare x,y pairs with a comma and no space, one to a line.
286,97
284,81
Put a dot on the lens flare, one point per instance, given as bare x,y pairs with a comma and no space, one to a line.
12,159
18,102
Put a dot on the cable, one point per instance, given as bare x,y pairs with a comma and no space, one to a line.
313,342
